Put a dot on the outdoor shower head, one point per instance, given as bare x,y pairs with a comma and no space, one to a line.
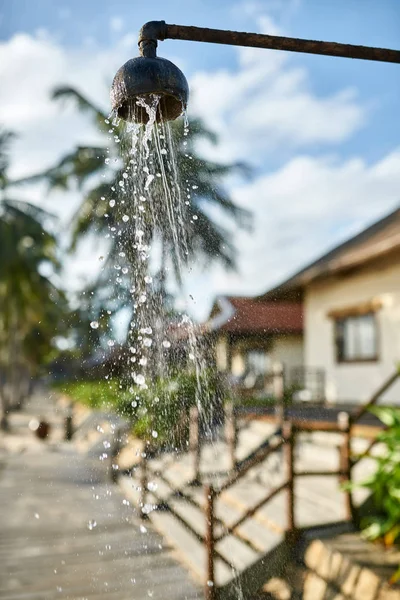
148,74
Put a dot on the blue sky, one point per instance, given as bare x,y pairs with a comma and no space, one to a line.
321,133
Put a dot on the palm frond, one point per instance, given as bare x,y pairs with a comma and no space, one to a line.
68,93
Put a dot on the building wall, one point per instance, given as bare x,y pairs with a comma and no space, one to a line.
221,353
285,349
355,382
241,346
288,350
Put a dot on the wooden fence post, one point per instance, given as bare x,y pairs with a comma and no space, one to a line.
345,461
289,436
209,588
114,451
194,442
279,393
69,425
231,433
143,485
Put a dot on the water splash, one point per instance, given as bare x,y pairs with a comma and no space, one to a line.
149,219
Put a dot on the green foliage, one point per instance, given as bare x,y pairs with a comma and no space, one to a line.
255,401
207,239
384,483
95,394
163,409
32,306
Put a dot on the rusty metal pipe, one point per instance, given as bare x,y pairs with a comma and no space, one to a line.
159,30
150,75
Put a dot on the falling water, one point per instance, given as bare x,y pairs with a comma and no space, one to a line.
150,216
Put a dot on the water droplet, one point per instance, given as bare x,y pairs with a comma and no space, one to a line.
166,344
143,529
210,583
195,217
125,270
37,516
147,509
91,524
147,342
106,444
142,361
107,161
112,203
154,433
140,379
125,218
111,343
94,324
148,279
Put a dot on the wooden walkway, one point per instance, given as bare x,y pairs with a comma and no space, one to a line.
66,533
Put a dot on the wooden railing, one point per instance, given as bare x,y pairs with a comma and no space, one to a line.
284,438
287,442
290,431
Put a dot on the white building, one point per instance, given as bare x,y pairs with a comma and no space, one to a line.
351,299
252,337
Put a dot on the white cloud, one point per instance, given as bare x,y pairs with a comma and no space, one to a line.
266,104
300,211
260,106
30,68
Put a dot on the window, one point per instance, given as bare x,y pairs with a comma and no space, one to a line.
356,338
257,362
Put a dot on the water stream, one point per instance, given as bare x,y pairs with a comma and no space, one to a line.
150,216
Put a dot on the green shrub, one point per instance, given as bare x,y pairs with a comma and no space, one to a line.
95,394
384,522
160,414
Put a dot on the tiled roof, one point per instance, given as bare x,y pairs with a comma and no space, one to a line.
248,315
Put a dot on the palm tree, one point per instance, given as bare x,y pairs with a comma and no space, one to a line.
205,239
30,303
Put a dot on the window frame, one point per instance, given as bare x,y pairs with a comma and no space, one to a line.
339,355
255,350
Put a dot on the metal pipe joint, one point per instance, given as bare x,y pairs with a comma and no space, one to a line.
148,36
